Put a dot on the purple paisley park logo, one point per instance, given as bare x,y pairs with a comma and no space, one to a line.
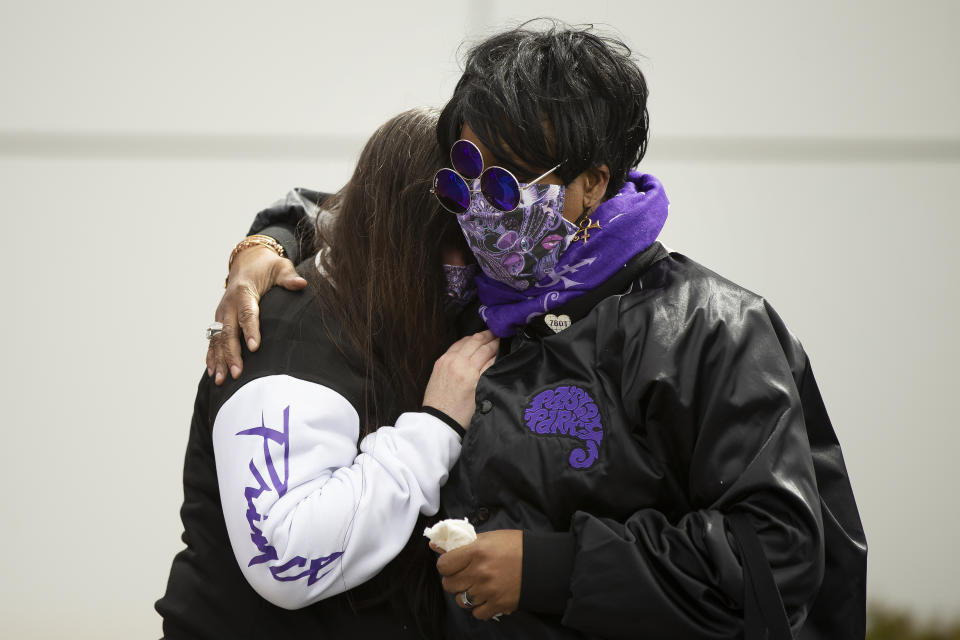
568,411
519,248
310,568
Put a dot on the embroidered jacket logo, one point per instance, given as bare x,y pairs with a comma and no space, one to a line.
268,554
568,411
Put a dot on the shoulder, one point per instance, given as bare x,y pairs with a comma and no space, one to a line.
301,339
683,283
685,319
678,298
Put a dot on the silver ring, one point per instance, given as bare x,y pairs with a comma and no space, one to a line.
465,599
213,329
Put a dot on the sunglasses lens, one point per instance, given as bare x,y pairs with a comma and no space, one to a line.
500,188
466,159
451,191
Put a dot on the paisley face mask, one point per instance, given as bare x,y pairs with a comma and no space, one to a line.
460,288
521,247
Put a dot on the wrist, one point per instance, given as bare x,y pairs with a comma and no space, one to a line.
448,409
251,246
287,239
446,418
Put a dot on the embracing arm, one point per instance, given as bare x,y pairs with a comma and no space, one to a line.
291,222
309,513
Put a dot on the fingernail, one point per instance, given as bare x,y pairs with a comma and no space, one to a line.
235,371
251,344
219,377
209,372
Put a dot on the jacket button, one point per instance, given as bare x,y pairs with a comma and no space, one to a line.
482,514
485,406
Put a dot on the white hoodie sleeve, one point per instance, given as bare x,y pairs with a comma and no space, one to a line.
308,514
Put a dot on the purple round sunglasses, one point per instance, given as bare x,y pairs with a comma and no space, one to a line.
498,186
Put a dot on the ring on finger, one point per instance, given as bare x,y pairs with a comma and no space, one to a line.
213,329
465,599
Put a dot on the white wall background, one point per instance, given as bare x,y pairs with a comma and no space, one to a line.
811,152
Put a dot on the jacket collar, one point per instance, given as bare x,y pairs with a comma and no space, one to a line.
566,314
468,321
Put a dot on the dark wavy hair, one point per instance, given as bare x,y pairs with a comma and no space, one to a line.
381,250
550,95
381,253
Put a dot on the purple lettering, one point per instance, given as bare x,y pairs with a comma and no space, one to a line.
568,411
267,552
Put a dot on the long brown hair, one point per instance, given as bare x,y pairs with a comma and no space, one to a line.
381,251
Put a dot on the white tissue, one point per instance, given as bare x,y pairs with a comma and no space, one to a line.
451,534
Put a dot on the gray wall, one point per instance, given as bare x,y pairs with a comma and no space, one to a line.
810,151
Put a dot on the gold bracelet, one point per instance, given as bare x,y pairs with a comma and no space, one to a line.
253,241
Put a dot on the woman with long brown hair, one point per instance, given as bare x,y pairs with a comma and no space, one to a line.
299,503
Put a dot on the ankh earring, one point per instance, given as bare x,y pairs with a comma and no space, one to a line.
584,224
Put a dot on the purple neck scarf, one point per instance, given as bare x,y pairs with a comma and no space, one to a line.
629,223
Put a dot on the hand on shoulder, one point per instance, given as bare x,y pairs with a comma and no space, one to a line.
253,272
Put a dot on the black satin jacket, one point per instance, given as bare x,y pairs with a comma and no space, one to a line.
621,444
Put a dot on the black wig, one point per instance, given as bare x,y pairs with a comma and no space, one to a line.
536,98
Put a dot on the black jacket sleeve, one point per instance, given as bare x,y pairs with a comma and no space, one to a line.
291,222
839,612
724,401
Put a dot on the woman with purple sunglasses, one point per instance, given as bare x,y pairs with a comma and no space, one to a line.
650,456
